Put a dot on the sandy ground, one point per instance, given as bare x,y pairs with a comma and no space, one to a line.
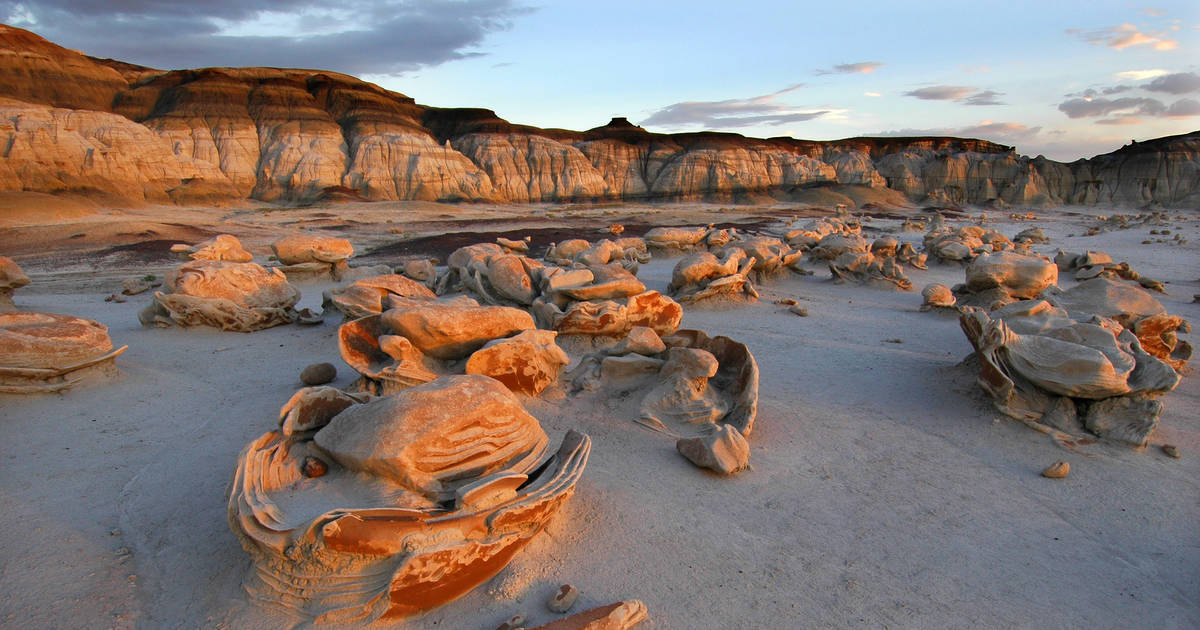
885,490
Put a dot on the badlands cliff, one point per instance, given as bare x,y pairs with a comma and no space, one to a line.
70,123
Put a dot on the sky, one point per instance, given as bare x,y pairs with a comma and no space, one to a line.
1062,79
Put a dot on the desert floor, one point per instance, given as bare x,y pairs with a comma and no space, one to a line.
885,490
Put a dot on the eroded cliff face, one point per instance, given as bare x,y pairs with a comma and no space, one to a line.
72,123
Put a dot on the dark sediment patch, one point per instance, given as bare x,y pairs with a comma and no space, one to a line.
442,245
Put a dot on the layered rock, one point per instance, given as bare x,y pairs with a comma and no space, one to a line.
74,123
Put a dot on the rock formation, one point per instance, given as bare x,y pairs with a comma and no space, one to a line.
371,296
77,123
241,297
43,352
416,342
1062,372
700,390
11,279
391,507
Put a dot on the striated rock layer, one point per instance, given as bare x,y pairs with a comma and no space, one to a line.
73,123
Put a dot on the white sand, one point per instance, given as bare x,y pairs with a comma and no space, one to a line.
885,490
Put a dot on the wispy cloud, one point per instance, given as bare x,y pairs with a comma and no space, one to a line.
960,93
984,97
872,94
941,93
1128,107
1124,36
1140,75
862,67
1178,83
1010,132
1106,91
733,113
1120,120
1153,12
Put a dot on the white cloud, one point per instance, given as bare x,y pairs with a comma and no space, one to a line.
737,112
1141,75
872,94
862,67
1124,36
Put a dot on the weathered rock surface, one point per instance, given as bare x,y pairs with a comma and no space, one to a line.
75,123
1018,276
1031,353
44,352
370,296
527,362
414,499
292,250
11,279
454,332
724,450
221,247
618,616
240,297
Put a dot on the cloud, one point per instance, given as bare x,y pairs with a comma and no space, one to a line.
1120,120
1184,108
733,113
1093,107
1127,107
1010,132
984,97
1178,83
941,93
1124,36
862,67
1141,75
1153,12
872,94
960,93
379,37
1093,92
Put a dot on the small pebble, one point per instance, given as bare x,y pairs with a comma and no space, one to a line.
799,310
1170,450
313,467
787,302
563,599
1057,470
517,622
318,374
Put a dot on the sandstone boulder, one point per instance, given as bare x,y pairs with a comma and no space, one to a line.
724,450
369,296
297,249
11,279
1019,276
428,438
240,297
224,247
454,332
526,363
1031,353
44,352
399,504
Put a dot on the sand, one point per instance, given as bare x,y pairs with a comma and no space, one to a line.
885,491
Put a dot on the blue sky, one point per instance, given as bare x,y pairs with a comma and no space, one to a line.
1064,79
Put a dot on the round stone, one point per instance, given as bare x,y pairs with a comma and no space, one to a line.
318,374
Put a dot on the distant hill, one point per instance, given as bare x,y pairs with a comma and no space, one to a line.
73,123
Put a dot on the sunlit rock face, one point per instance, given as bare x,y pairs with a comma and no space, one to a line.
82,124
360,509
